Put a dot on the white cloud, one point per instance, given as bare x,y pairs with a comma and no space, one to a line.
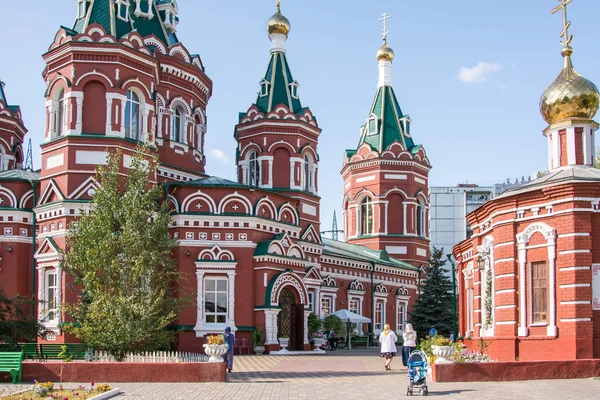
219,155
478,73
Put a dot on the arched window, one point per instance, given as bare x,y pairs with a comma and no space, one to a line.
132,116
307,173
420,219
254,171
366,215
178,125
60,114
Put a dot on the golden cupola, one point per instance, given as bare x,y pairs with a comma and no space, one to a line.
385,52
570,95
278,23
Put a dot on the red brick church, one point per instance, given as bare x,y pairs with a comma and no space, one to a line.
529,277
252,249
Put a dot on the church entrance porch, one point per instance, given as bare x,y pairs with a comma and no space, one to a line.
290,320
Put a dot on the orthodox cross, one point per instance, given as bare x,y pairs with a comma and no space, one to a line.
278,3
566,24
384,18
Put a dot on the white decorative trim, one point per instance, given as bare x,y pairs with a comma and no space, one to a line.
574,302
574,251
575,320
567,269
574,285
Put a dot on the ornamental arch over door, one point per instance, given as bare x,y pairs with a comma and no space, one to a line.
290,320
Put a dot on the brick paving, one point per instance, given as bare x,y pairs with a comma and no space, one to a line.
344,375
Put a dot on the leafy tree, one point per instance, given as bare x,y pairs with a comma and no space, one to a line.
16,322
597,163
434,308
119,256
333,322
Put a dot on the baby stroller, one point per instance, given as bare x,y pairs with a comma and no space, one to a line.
417,373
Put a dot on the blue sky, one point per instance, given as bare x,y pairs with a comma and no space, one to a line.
482,129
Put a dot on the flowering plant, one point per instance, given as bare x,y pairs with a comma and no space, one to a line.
441,341
471,357
215,340
103,388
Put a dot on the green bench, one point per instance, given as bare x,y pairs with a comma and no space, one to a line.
75,351
12,362
31,351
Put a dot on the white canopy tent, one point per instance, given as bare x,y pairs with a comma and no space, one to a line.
348,316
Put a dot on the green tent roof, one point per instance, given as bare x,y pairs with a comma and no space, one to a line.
2,95
385,122
363,253
104,12
20,175
278,81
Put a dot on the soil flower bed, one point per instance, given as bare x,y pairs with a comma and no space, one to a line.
47,391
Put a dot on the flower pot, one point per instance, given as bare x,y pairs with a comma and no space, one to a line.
318,342
215,351
443,354
259,350
283,342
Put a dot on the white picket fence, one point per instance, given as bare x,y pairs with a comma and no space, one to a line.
154,357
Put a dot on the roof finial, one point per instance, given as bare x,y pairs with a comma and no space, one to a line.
278,3
385,31
567,51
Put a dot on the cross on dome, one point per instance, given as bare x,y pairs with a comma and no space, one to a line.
385,30
566,24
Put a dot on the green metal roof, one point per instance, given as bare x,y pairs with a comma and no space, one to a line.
213,181
280,80
384,123
363,253
104,12
20,175
2,95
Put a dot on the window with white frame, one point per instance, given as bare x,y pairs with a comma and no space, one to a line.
308,173
311,301
294,89
60,121
82,8
264,88
52,296
379,315
132,116
400,317
539,288
366,215
325,306
254,169
178,124
420,217
123,10
353,306
215,300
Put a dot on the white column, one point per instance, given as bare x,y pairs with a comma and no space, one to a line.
231,300
145,130
571,155
199,300
278,42
51,121
551,330
292,174
522,331
385,73
271,326
109,101
404,231
556,149
306,314
550,153
79,122
585,139
159,117
592,144
385,218
318,302
41,288
245,180
270,172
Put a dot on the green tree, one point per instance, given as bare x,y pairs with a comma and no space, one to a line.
597,157
16,322
119,256
333,322
434,306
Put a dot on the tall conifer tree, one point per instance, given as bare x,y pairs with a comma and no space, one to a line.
433,309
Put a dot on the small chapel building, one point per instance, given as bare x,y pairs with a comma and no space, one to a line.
251,249
529,277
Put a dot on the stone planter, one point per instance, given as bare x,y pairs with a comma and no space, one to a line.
284,342
260,350
318,342
215,351
443,354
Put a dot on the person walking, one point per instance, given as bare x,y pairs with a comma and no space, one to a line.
229,340
409,337
332,340
388,346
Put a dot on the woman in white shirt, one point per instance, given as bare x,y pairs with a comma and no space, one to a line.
409,337
388,345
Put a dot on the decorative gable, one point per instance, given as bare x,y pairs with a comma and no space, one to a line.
311,235
313,273
51,194
380,288
48,252
86,190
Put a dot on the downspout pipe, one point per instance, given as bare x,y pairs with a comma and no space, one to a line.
33,244
454,299
371,325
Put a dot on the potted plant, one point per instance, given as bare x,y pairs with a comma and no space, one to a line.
284,341
314,328
215,347
258,341
443,350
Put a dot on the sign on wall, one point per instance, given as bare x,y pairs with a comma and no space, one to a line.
596,287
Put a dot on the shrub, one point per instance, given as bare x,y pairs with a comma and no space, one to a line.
258,337
334,322
216,339
314,324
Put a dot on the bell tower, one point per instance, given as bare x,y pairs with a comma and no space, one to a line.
386,192
277,137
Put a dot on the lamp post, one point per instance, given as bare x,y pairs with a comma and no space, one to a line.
454,299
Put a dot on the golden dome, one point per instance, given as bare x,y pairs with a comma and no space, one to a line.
278,23
385,53
571,95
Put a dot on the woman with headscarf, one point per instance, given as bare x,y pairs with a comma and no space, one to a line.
388,345
229,339
409,337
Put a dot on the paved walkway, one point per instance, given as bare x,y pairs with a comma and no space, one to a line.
344,375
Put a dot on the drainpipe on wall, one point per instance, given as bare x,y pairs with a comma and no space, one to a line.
33,245
371,332
454,299
419,284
